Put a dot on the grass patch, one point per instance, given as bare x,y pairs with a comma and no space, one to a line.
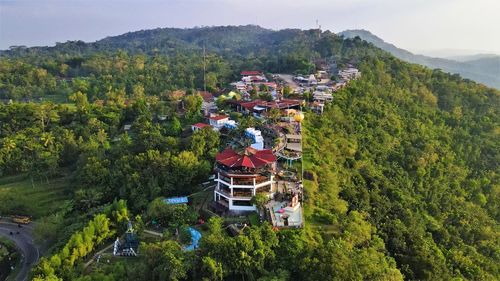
18,196
12,179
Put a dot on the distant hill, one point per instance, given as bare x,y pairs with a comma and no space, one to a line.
222,39
250,42
452,53
465,58
485,69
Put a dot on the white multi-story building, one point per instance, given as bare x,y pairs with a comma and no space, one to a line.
322,97
256,136
218,121
240,176
349,73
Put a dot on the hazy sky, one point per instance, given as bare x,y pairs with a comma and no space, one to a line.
415,25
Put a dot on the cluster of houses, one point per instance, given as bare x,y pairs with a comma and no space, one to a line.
349,73
323,94
261,166
253,80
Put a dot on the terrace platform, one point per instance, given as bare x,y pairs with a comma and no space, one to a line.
283,215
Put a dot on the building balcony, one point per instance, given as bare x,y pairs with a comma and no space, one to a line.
246,182
238,181
266,170
246,194
224,191
236,194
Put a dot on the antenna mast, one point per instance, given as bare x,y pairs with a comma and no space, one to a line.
319,29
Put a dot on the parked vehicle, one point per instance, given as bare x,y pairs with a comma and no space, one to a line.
21,219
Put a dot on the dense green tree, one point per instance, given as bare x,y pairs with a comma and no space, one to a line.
165,261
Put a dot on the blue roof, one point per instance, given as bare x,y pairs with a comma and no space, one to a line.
175,200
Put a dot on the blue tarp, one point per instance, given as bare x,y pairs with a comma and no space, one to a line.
175,200
195,238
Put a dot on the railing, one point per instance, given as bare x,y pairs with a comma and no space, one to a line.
245,181
226,179
250,181
237,181
244,171
242,194
223,203
264,189
227,192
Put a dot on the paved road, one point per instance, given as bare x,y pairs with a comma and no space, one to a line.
288,78
24,242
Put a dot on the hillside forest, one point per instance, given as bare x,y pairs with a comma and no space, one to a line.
401,170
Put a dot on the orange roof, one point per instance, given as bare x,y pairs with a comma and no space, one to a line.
207,96
218,117
178,94
250,104
249,158
201,125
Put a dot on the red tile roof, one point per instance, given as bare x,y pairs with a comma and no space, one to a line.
280,104
250,72
207,96
218,117
201,125
251,104
270,84
249,158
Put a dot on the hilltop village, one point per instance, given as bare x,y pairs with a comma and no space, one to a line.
257,172
260,169
255,165
241,153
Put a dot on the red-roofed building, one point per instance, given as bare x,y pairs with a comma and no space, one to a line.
271,85
241,175
251,73
218,121
208,104
253,77
199,126
260,106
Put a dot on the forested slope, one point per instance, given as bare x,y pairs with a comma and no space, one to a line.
484,70
416,151
402,167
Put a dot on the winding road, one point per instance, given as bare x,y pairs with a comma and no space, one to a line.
24,242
